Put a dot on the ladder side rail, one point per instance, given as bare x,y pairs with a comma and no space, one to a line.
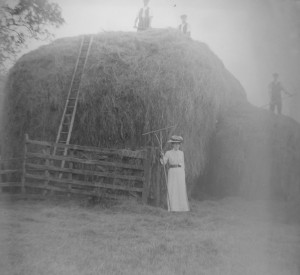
67,101
76,100
70,89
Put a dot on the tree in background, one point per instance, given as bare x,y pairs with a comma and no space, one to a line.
26,20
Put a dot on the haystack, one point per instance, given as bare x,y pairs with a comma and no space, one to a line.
253,153
133,83
136,82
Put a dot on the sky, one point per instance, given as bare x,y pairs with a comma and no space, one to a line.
225,25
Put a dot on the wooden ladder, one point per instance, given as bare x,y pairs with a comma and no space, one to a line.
67,120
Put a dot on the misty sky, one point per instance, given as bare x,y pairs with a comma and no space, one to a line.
225,25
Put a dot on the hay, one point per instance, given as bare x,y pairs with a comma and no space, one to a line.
256,154
133,83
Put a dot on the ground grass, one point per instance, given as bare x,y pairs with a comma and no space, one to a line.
70,237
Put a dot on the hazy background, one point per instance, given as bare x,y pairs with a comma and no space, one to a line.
254,38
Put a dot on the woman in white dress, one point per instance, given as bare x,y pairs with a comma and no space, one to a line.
177,195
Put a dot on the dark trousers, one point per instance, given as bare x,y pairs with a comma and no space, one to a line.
276,104
144,24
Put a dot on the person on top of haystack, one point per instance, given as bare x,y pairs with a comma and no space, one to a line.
275,89
177,195
143,19
184,27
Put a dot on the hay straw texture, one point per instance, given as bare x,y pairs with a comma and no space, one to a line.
133,83
254,153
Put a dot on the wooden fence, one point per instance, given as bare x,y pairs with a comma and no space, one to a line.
88,171
9,176
83,170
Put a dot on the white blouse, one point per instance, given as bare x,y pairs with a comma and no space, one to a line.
174,157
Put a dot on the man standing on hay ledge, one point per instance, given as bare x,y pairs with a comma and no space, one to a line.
275,89
184,27
144,17
177,195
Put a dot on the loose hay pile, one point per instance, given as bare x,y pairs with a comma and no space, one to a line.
254,153
133,83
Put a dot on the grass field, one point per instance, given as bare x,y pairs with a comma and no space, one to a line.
230,236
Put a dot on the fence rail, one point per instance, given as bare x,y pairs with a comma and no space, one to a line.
9,172
83,172
85,184
140,154
82,161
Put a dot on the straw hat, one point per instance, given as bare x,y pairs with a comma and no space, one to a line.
175,139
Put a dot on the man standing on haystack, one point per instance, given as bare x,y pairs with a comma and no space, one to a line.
184,27
143,19
275,89
176,193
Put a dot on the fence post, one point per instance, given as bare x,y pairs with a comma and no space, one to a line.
1,180
47,164
157,184
70,176
24,164
147,167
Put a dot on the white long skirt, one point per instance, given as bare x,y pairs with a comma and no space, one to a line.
177,195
